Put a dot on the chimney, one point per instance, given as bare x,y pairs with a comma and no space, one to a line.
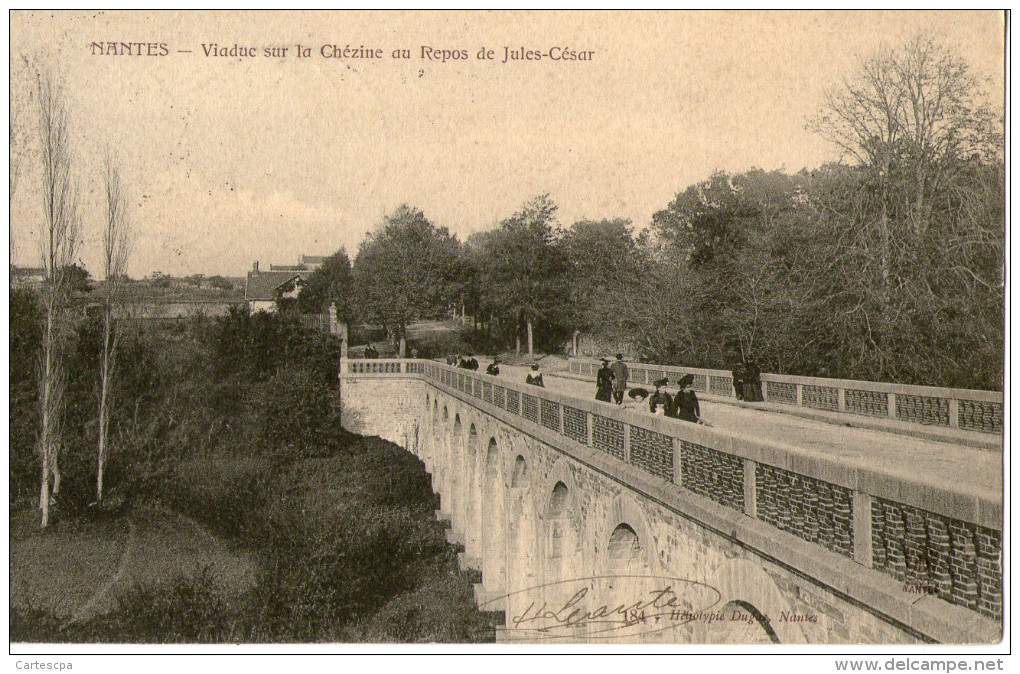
255,267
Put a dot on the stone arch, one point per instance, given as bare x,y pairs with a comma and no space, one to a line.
516,449
472,491
520,476
624,547
454,480
562,558
493,519
522,526
624,510
435,453
749,627
744,586
625,569
431,418
561,533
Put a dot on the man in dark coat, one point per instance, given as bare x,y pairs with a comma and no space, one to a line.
493,368
604,383
620,376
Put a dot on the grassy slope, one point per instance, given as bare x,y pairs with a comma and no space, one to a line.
337,547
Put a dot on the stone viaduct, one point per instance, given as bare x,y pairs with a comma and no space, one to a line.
590,523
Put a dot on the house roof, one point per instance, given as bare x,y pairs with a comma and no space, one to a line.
287,267
27,271
262,285
312,259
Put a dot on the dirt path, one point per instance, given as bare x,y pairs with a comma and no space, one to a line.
86,610
81,569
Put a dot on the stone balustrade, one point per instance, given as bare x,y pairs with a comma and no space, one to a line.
927,405
931,537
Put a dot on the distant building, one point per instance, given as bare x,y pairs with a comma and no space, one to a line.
312,262
305,263
27,277
267,290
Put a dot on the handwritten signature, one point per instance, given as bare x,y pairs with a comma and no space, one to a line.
655,604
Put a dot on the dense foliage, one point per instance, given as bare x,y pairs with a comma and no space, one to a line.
406,269
233,422
330,284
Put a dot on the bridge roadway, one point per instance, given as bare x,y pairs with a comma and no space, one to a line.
940,464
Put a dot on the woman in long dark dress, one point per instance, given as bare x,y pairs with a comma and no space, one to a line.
685,402
752,382
604,383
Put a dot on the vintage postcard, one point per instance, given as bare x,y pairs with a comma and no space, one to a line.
509,330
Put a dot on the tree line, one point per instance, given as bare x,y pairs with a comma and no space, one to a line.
885,265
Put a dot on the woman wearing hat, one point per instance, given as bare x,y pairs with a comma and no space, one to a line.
685,404
660,402
604,382
534,377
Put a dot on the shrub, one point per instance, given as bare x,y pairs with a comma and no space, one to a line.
292,411
186,610
223,490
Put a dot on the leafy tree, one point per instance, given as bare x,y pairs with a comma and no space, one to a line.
524,272
332,283
603,259
159,280
77,278
741,243
406,270
220,283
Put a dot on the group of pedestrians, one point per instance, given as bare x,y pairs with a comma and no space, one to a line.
747,381
611,380
684,405
611,383
468,362
370,352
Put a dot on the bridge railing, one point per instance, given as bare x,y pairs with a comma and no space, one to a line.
381,366
939,539
928,405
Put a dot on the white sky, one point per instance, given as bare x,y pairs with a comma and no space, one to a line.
228,161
